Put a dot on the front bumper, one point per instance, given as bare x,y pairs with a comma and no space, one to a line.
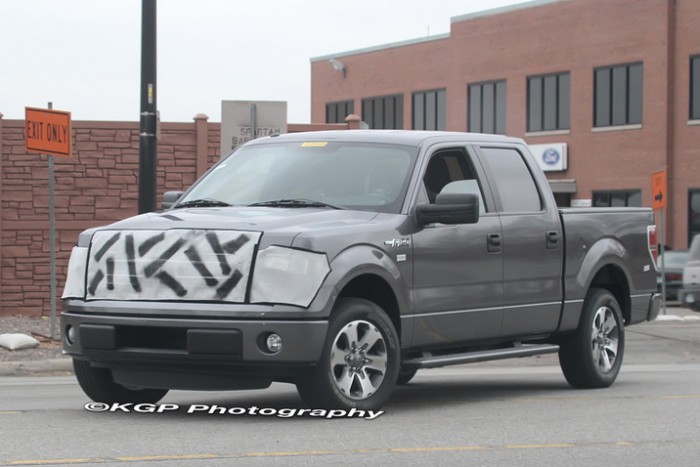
191,352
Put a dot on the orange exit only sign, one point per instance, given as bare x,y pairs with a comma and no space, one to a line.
47,131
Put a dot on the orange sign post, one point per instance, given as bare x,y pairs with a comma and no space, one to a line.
658,203
47,131
658,190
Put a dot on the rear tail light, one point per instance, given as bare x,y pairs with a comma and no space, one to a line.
652,244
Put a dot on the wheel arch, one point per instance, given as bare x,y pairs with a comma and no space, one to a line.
375,289
613,278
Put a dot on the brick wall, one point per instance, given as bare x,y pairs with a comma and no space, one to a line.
96,186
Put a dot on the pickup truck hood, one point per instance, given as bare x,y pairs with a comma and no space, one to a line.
274,222
207,254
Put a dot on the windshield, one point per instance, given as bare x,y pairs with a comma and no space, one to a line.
362,176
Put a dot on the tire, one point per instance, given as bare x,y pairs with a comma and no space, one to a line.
405,376
350,375
98,385
592,356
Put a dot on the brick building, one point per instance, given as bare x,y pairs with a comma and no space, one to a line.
613,85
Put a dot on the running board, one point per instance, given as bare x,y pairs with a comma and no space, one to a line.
518,350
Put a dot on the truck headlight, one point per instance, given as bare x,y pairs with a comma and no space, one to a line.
288,276
75,280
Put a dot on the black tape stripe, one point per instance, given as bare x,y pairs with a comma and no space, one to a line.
234,245
167,254
150,243
96,281
171,282
131,262
216,248
110,273
196,260
226,288
108,244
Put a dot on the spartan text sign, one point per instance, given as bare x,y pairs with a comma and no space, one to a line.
47,131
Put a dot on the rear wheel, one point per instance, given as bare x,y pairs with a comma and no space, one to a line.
592,356
98,385
360,360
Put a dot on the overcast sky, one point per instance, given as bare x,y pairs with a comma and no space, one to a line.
84,55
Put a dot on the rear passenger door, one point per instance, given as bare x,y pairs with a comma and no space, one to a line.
532,241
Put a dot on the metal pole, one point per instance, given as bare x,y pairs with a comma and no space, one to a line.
147,142
663,260
52,242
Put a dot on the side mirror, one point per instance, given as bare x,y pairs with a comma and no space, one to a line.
450,208
170,198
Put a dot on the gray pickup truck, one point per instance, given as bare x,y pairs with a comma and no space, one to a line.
343,262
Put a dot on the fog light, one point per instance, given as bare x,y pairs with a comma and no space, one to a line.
274,343
70,334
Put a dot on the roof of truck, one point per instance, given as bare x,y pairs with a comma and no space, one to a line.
407,137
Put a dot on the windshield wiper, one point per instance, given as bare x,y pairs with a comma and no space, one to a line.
202,203
296,203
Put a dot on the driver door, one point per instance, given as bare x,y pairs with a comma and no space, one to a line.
458,269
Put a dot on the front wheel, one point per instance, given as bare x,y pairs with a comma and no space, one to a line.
360,360
98,385
592,356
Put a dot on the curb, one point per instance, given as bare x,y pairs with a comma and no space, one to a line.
36,367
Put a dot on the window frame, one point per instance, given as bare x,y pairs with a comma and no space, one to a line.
628,192
396,115
694,91
439,117
612,77
348,104
503,101
561,122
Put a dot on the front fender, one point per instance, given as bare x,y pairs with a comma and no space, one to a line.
361,260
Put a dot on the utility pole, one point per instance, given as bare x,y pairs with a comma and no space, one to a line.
148,144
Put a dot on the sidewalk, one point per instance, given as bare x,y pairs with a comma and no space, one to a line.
47,358
44,359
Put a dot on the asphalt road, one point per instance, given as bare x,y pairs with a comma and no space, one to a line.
515,412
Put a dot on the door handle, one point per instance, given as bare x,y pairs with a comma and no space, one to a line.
494,243
552,240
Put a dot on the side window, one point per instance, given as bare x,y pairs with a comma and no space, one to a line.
450,171
513,180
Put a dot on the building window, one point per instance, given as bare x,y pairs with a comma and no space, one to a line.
695,87
487,107
693,214
617,198
548,98
337,111
430,110
385,112
618,95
